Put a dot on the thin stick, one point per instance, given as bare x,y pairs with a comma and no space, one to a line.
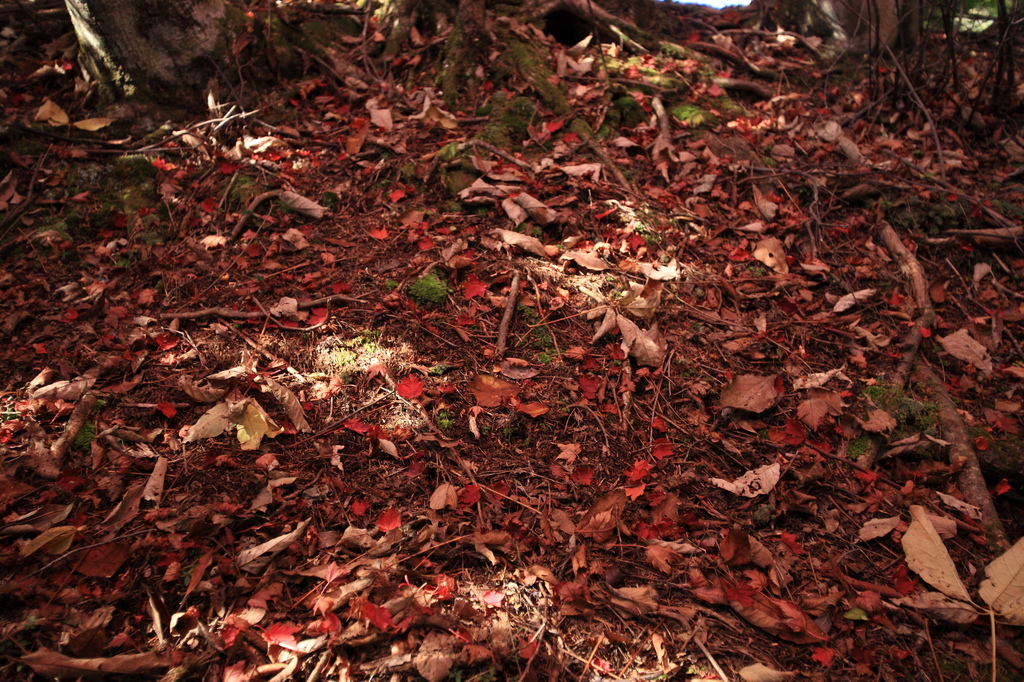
506,319
714,663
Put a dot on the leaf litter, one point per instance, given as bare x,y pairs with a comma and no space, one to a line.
382,494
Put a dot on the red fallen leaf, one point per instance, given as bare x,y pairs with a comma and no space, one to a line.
410,387
359,507
823,655
662,449
165,341
926,332
473,287
425,244
166,408
226,168
469,495
981,443
1002,487
316,316
209,205
282,635
640,470
357,425
716,90
658,424
378,616
389,520
530,650
782,618
902,581
534,409
465,320
397,195
589,385
71,316
583,475
790,541
492,598
379,233
636,491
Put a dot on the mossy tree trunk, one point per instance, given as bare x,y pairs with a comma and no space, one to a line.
161,51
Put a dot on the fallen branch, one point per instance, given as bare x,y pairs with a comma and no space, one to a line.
252,314
961,454
510,305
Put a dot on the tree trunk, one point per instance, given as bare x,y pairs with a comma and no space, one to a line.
156,50
858,26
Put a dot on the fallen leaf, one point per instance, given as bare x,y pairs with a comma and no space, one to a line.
586,260
850,300
1003,587
750,392
772,253
963,347
51,664
928,557
759,481
523,241
762,673
93,124
302,205
877,528
491,391
938,605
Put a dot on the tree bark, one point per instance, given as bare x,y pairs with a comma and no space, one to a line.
152,49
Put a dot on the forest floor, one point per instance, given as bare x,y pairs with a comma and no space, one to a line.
351,386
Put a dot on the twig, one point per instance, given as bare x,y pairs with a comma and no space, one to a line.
714,663
257,200
79,415
510,305
252,314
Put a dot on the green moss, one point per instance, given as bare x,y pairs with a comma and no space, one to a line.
430,290
694,116
630,113
528,62
84,437
445,420
858,447
763,515
243,190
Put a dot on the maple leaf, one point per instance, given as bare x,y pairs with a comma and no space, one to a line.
410,387
378,616
635,492
359,507
824,656
641,469
469,496
166,408
662,448
583,475
473,287
389,520
282,635
356,425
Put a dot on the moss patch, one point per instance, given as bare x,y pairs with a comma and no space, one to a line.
430,290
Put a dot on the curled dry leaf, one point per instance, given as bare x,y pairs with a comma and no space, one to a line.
491,391
760,481
584,259
523,241
938,605
876,528
302,205
762,673
51,664
850,300
1003,587
602,519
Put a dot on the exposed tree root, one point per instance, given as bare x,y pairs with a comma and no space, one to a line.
961,453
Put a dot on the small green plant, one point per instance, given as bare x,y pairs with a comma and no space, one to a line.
764,515
440,369
430,290
546,358
445,420
391,285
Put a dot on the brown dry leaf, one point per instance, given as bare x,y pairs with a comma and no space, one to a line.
515,368
255,559
762,673
876,528
93,124
434,659
104,561
586,260
819,403
634,601
445,495
302,205
525,242
51,664
928,557
602,519
782,618
750,392
483,543
772,253
938,605
292,406
491,391
759,481
55,540
878,421
539,212
648,347
534,409
850,300
662,558
735,548
962,346
51,113
1003,587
